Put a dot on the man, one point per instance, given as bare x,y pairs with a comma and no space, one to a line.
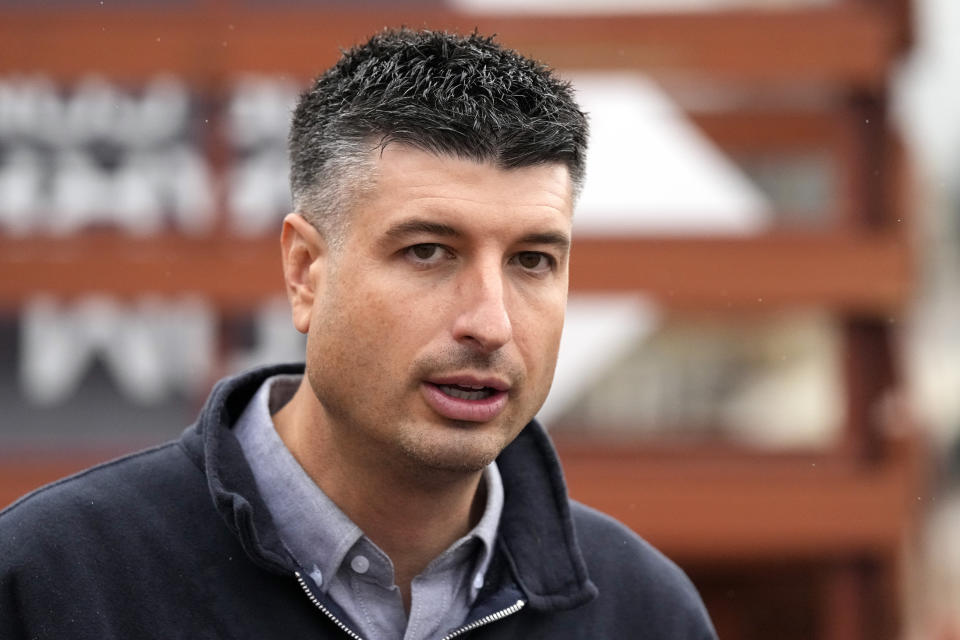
400,487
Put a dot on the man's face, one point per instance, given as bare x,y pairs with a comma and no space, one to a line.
434,330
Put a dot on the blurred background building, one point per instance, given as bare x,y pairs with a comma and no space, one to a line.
760,371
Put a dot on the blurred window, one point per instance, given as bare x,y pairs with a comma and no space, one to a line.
767,381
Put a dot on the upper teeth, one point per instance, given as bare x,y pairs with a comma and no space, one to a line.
465,392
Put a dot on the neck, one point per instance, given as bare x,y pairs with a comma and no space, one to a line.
411,515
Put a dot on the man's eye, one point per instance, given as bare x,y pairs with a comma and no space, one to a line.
534,261
426,253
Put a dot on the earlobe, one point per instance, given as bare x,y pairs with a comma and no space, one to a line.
303,250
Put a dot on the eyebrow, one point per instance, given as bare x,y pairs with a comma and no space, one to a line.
559,240
414,227
408,228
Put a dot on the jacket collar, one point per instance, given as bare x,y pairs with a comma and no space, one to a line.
536,532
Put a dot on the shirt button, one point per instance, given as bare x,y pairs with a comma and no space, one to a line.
360,564
317,576
478,581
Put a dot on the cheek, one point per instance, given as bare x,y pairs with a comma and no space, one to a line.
373,327
539,339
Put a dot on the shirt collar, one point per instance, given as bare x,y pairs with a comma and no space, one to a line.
312,527
315,531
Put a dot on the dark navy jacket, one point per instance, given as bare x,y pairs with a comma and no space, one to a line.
175,542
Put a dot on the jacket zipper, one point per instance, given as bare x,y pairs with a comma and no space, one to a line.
306,589
476,624
493,617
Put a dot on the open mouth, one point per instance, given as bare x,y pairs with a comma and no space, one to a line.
466,392
466,400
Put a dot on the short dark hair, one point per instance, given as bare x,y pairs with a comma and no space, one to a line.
466,96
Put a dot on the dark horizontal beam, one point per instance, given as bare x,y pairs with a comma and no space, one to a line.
720,509
849,273
847,45
697,506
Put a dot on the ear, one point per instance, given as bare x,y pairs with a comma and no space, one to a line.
304,251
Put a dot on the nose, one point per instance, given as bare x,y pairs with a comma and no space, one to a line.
483,320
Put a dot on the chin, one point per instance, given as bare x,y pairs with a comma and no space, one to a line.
463,451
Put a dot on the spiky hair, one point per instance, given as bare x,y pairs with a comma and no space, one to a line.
464,96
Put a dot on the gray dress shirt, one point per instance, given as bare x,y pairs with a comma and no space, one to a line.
339,558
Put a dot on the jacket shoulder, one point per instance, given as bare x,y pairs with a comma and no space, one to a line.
107,496
609,544
629,571
128,467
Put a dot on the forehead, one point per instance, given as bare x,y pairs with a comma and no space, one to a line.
409,181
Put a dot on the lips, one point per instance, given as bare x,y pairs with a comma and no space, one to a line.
466,398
